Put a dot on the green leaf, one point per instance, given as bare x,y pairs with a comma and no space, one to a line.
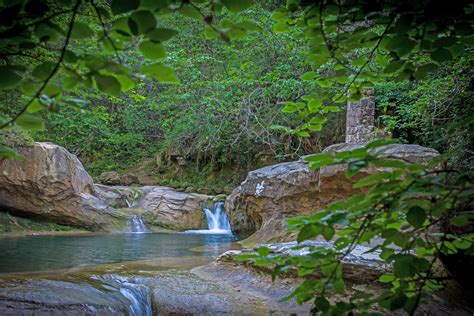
327,232
309,231
423,71
322,304
8,77
70,57
108,84
141,22
160,73
404,266
45,33
394,66
289,108
462,244
120,25
190,11
355,166
441,55
237,5
152,50
461,220
387,278
416,216
36,106
372,179
28,87
161,34
52,90
30,122
303,134
81,30
122,6
444,42
308,76
263,251
44,70
125,82
280,27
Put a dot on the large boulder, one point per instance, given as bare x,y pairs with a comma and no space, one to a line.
261,204
51,183
168,208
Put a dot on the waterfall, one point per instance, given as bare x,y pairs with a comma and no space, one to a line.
138,295
129,204
136,225
217,221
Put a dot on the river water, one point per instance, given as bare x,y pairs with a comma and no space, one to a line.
46,253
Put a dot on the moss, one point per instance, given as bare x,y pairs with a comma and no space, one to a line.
12,224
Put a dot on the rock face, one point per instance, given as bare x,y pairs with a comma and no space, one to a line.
360,119
114,178
171,209
51,183
261,204
47,297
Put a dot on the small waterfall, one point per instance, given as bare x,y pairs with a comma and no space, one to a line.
129,204
217,221
138,295
136,225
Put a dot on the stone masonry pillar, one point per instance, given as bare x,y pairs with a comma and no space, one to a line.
360,119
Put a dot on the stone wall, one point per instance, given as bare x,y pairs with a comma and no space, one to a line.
360,119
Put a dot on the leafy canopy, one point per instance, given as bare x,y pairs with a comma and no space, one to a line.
52,34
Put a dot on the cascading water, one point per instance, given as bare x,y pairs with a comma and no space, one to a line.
138,295
136,225
217,221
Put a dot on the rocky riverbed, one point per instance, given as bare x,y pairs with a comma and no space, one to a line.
52,185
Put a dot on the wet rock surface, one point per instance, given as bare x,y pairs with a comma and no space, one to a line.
51,183
261,204
49,297
221,290
166,207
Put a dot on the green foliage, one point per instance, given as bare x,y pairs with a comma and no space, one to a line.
422,196
218,116
107,60
53,37
436,112
357,44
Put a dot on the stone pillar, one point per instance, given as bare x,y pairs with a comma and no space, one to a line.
360,119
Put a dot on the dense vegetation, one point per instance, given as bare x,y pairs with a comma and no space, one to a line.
104,79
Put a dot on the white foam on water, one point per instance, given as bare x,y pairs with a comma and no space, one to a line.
217,222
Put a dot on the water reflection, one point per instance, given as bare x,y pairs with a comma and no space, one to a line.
43,253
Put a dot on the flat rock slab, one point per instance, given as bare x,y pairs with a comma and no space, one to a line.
217,289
